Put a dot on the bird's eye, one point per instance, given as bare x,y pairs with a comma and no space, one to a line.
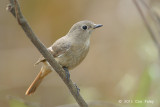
84,27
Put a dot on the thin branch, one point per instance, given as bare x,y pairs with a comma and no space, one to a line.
14,8
152,14
153,36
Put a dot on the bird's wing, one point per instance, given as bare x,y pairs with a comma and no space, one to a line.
59,48
42,59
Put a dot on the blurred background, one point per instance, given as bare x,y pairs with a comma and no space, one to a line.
122,63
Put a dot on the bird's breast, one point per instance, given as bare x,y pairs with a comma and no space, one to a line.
74,56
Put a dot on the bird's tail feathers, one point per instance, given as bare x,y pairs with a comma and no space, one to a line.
32,88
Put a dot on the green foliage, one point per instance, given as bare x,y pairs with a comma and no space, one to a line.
17,103
142,89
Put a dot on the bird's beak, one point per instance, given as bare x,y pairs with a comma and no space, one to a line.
97,26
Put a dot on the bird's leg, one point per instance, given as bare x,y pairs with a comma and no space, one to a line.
68,76
67,72
78,89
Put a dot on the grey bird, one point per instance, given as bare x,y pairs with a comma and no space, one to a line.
69,51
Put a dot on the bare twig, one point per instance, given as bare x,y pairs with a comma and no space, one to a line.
14,8
152,14
153,35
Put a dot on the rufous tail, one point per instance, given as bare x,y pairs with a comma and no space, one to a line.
32,88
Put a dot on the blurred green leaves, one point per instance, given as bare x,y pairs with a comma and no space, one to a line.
16,103
19,102
143,88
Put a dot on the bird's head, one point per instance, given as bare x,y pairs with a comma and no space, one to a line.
83,29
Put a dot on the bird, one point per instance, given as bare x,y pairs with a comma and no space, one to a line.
69,51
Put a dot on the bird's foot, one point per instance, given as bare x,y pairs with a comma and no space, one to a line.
78,89
67,73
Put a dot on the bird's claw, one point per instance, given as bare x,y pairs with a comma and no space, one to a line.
68,77
67,73
78,89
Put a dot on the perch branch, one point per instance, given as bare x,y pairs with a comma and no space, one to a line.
14,8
